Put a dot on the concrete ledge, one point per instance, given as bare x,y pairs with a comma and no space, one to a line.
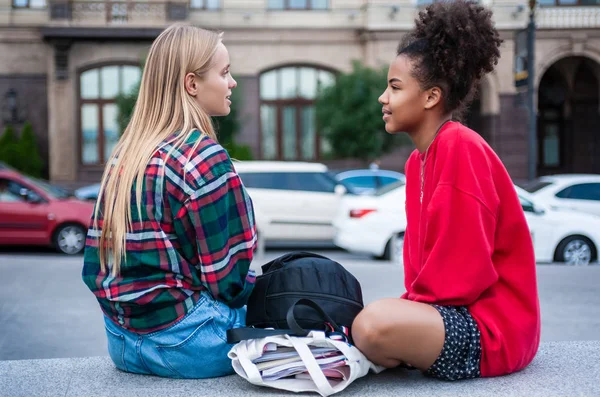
560,369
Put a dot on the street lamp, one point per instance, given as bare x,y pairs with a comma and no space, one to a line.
10,110
532,141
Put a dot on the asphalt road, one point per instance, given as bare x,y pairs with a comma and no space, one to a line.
47,312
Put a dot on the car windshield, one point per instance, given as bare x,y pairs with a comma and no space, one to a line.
53,191
388,188
349,188
535,185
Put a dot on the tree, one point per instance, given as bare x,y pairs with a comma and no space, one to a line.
21,154
125,104
9,147
349,116
30,161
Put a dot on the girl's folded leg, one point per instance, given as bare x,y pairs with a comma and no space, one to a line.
442,341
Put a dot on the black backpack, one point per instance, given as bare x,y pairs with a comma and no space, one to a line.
299,292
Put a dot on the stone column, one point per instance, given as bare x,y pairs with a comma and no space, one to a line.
62,128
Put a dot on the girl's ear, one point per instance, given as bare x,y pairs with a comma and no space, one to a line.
191,84
434,96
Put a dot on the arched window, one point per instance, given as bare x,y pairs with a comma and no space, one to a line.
287,112
98,88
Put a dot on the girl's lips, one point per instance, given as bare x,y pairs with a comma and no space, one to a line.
386,116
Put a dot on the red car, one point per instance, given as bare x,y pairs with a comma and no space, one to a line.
33,212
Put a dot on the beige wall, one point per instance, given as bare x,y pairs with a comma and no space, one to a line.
253,52
22,51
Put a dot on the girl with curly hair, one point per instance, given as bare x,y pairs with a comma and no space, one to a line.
471,306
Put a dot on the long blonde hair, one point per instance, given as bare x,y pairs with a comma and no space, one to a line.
163,108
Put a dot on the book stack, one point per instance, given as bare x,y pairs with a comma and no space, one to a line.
279,362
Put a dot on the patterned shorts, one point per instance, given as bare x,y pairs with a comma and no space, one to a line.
461,355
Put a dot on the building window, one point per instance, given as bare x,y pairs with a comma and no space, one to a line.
287,113
29,3
298,4
205,4
98,111
569,2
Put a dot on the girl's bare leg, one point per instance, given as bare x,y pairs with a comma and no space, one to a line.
395,331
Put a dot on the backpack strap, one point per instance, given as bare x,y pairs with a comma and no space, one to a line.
236,335
297,329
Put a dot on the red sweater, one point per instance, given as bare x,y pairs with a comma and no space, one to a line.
468,244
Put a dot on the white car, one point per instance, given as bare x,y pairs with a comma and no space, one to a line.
576,192
368,181
561,235
375,225
293,201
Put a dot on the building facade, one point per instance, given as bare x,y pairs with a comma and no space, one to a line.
63,62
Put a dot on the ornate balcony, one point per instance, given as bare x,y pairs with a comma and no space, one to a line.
568,17
110,13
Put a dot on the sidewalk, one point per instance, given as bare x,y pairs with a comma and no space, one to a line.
560,369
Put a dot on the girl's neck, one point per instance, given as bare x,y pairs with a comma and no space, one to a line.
425,135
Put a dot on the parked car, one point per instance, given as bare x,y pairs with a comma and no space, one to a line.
34,212
576,192
89,192
561,235
367,181
293,201
375,225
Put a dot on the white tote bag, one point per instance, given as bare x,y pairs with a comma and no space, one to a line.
245,352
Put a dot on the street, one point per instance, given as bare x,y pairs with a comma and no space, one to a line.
47,312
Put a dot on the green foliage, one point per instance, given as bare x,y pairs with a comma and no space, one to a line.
9,145
31,161
125,104
349,115
21,154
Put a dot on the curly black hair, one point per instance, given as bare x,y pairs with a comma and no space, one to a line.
453,45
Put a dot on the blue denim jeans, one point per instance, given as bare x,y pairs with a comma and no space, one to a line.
194,347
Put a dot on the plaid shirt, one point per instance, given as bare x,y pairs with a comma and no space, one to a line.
196,233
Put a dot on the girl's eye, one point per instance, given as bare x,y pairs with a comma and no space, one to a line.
395,88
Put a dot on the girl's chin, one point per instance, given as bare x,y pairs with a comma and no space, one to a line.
390,129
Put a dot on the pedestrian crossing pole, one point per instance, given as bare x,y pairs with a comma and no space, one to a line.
532,136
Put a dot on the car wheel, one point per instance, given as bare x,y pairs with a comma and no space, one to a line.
393,248
575,251
70,239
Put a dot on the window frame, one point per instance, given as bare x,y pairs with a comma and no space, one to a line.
100,102
28,6
556,3
205,7
298,103
309,7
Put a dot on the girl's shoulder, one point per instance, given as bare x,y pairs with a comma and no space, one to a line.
196,162
458,139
